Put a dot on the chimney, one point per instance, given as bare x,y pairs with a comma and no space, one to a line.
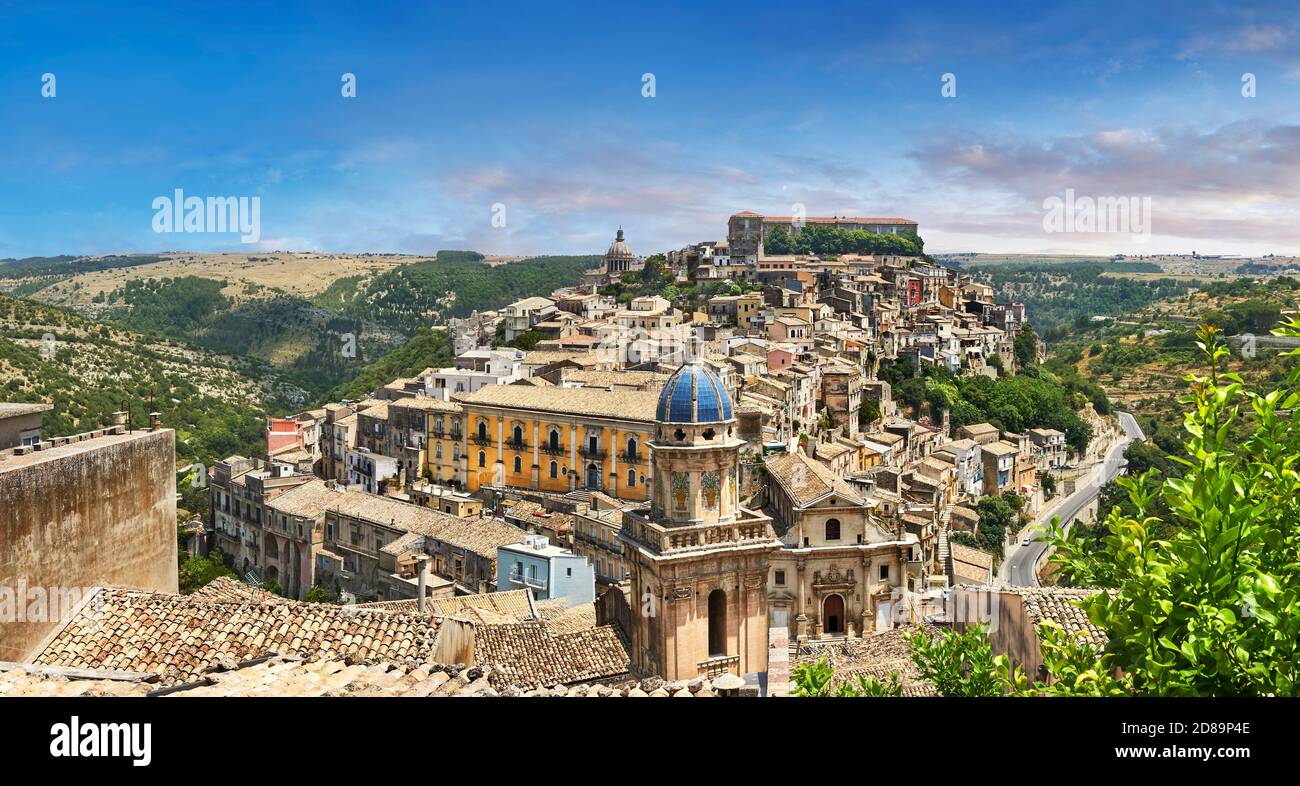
422,584
155,421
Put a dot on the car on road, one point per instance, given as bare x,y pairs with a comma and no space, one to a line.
1026,540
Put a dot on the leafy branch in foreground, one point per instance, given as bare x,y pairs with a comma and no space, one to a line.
817,679
1213,608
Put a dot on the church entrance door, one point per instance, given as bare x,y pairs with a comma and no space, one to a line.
833,615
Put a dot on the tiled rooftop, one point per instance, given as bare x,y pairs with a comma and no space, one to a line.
279,676
807,480
530,655
178,637
622,404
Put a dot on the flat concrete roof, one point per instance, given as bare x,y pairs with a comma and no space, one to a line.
9,461
13,410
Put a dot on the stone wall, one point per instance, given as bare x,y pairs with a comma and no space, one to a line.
81,514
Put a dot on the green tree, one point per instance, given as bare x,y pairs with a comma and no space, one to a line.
195,572
868,413
1211,607
962,663
1025,347
319,594
777,241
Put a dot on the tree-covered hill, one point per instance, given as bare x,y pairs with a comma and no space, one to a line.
430,292
426,349
87,370
1063,298
310,346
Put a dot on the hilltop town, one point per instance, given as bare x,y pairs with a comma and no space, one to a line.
619,488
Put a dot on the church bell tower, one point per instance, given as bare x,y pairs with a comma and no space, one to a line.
700,560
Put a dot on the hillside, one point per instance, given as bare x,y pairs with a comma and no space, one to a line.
316,323
83,282
87,370
313,348
432,291
1063,298
1142,361
428,348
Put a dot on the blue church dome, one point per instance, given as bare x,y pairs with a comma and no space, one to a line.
693,394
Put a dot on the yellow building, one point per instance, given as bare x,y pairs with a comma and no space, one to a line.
559,439
445,447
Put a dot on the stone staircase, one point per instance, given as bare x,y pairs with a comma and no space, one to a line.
943,552
579,495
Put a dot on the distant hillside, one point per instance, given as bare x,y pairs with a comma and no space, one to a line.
426,349
23,277
69,265
88,370
311,347
1062,298
1142,359
432,291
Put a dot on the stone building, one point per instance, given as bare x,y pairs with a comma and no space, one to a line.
841,394
20,424
839,567
80,511
746,231
699,560
359,552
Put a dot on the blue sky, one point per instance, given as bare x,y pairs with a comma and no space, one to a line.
539,107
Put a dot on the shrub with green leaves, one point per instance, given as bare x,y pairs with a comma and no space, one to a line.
1210,604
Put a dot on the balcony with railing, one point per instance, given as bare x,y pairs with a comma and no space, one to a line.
553,449
717,665
517,445
517,577
750,529
595,454
481,440
632,458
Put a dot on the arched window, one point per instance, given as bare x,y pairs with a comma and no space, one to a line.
482,459
519,464
482,429
631,477
631,447
555,439
519,435
717,623
555,470
832,529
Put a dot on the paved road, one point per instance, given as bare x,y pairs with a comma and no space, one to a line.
1019,569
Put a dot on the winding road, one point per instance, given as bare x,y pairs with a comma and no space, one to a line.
1019,568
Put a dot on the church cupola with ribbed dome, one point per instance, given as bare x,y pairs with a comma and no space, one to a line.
696,450
619,259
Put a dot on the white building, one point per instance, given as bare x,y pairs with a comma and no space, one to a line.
367,469
473,370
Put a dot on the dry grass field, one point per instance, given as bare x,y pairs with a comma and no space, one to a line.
300,274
